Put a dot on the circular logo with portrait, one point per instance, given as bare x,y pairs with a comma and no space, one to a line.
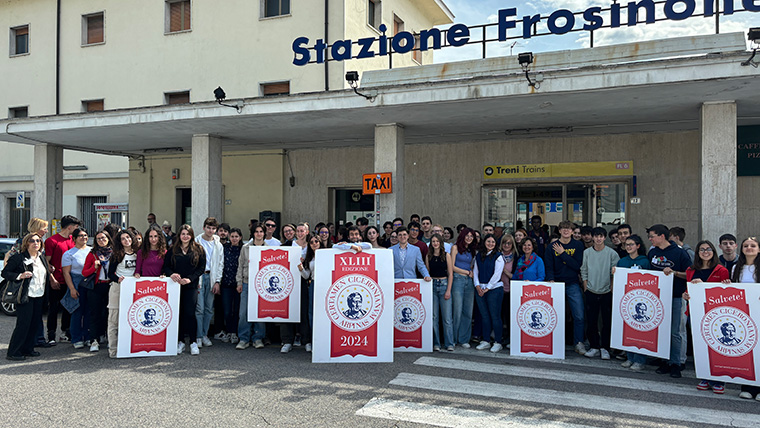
149,315
410,314
273,283
729,331
641,310
536,318
354,302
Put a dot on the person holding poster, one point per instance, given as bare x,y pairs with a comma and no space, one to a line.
441,270
463,288
150,258
669,258
185,263
747,270
707,268
596,272
244,327
122,265
636,259
307,273
489,292
530,267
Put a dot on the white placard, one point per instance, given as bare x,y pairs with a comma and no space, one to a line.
353,307
274,284
537,310
148,317
642,303
724,327
413,316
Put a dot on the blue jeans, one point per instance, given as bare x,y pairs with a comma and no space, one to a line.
443,307
80,319
490,312
462,296
574,295
677,332
204,308
244,327
637,358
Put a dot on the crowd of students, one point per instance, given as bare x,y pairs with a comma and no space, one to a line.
470,269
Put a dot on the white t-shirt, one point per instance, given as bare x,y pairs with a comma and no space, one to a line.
75,258
748,274
126,267
209,247
273,242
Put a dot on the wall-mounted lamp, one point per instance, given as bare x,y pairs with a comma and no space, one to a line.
220,96
526,59
352,77
753,35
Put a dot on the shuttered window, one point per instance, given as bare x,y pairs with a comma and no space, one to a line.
179,16
177,97
93,29
20,40
278,88
93,105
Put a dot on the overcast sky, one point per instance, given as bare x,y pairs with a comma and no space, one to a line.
476,12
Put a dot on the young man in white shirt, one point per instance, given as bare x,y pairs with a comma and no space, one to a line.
212,277
270,226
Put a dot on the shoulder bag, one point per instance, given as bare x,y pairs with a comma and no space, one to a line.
13,292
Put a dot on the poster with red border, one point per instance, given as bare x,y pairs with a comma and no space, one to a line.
642,302
538,313
724,326
148,318
274,284
353,306
413,316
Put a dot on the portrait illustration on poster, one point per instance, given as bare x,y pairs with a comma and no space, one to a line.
412,321
537,308
275,287
148,312
641,311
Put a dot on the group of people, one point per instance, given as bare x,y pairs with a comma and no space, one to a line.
470,269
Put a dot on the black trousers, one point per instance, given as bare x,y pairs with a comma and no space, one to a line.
598,304
54,306
188,297
25,333
305,326
97,301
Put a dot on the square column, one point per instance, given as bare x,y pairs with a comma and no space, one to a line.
47,200
207,179
718,204
389,157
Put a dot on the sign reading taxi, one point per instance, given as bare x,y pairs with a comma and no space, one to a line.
377,183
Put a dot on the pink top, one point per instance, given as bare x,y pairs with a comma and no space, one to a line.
150,266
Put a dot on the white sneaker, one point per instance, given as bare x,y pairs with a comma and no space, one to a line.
220,335
258,344
199,342
234,338
308,347
605,354
627,364
496,347
466,345
580,348
297,341
592,353
78,345
194,349
483,345
637,367
286,348
180,347
94,347
243,345
226,338
436,348
746,395
206,341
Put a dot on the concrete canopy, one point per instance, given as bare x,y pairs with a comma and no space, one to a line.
594,92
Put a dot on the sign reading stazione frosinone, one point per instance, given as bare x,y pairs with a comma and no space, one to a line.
560,21
551,170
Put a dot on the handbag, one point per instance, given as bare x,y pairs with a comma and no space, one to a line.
88,282
13,292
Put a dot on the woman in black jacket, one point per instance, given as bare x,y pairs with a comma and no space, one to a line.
30,266
185,263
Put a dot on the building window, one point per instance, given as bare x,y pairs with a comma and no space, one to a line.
398,24
19,218
93,29
20,40
93,105
277,88
374,13
177,97
18,112
276,8
417,53
87,212
177,16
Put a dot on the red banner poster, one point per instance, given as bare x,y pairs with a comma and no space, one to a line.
730,333
409,315
537,319
642,311
149,316
273,284
354,304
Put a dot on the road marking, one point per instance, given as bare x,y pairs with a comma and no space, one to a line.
582,401
443,416
566,376
595,363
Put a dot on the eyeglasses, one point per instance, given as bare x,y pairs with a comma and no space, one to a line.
82,235
103,238
324,232
705,250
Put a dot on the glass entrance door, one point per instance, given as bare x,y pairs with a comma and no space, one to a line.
499,207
